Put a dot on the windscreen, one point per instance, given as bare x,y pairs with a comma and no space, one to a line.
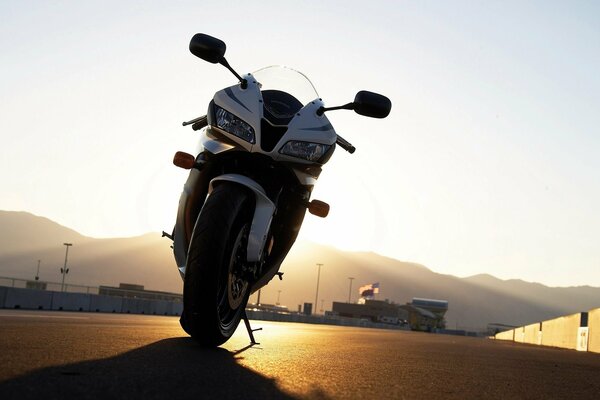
285,91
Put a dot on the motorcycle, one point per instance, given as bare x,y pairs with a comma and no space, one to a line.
263,142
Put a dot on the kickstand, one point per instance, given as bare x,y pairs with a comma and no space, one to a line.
250,330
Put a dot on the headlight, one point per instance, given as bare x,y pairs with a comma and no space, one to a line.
232,124
305,150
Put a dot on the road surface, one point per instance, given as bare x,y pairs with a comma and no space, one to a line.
59,355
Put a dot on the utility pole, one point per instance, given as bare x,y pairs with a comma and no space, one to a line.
64,271
278,295
37,275
258,298
318,277
350,290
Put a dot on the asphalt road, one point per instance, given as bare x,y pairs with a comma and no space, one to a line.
56,355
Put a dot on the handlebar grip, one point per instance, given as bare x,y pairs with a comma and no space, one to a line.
200,124
344,144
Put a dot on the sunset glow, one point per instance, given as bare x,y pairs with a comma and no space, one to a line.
487,163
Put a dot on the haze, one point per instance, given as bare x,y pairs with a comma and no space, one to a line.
488,162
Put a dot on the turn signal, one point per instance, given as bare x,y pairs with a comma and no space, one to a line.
184,160
318,208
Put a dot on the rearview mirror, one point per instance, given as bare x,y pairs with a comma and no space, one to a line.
208,48
372,104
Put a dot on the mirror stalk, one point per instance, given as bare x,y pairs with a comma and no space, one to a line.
349,106
224,63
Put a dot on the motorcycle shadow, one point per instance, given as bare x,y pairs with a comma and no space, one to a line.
171,368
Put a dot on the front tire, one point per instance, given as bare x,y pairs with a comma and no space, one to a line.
216,288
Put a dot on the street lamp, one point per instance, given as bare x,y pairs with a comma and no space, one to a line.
64,270
318,277
350,290
278,295
37,275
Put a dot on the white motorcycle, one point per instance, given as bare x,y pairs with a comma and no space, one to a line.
263,143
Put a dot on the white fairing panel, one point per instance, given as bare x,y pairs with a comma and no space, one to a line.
211,145
307,126
263,214
244,104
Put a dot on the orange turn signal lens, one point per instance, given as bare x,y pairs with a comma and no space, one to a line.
318,208
184,160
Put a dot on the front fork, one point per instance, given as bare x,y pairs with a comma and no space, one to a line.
263,213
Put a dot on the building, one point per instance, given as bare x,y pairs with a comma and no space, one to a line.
307,309
426,314
373,310
38,285
137,292
420,314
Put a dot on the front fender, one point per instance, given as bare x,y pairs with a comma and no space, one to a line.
263,213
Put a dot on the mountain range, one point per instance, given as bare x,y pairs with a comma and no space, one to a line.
147,260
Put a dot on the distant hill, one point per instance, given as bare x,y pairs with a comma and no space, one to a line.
148,260
25,238
473,302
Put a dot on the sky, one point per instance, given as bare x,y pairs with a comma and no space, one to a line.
488,162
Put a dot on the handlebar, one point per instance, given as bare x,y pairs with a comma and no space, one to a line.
197,123
344,144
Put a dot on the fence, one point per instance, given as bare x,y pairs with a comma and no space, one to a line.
44,285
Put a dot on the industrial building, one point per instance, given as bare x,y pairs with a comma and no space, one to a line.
373,310
421,314
133,291
426,314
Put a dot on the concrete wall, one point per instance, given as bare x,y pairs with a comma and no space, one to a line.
562,331
175,308
2,296
28,299
506,335
99,303
533,334
520,335
163,307
136,306
594,330
579,331
70,301
32,299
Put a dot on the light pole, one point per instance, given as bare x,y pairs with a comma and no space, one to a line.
318,277
64,271
278,295
37,275
350,290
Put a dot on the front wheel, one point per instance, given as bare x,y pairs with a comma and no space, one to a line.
216,286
